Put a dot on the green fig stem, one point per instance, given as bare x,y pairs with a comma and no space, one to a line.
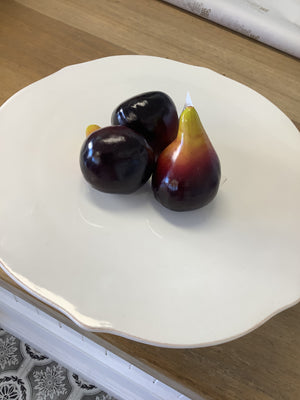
190,125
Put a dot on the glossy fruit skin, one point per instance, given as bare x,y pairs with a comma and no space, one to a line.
116,159
151,114
187,174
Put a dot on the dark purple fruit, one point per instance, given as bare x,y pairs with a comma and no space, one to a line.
116,159
152,115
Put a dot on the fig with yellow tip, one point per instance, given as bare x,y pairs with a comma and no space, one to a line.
188,171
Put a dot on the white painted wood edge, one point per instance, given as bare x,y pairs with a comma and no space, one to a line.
75,351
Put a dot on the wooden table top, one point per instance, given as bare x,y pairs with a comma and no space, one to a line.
39,37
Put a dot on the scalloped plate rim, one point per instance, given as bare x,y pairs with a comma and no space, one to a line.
71,315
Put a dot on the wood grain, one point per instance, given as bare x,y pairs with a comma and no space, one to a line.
156,28
37,37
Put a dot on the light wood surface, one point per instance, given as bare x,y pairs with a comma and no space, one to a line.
37,37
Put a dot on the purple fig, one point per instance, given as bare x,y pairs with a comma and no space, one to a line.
152,115
116,159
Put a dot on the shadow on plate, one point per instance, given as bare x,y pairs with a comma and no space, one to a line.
188,219
143,202
119,203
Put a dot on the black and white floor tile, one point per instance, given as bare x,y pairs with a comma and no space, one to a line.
26,374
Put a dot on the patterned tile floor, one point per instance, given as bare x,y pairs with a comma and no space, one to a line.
26,374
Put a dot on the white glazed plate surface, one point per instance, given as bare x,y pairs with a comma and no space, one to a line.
124,264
